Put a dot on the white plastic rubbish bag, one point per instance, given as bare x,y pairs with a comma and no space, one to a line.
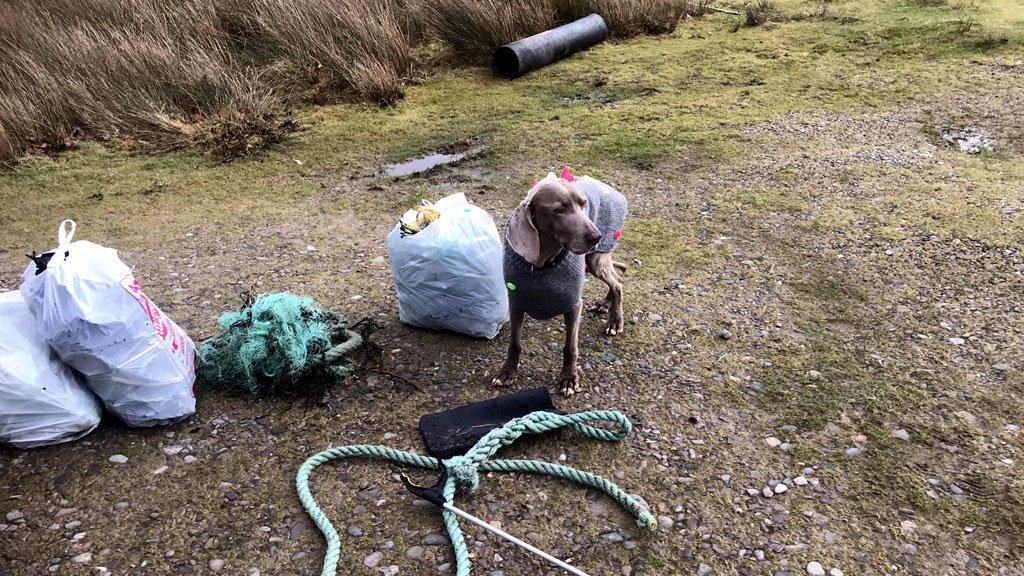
94,314
41,400
449,274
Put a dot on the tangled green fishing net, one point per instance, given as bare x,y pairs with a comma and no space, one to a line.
279,345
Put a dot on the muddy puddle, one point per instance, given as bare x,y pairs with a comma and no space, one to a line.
447,155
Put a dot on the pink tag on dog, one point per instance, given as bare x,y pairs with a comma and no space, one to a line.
617,234
566,174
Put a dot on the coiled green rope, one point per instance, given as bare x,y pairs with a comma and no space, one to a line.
464,472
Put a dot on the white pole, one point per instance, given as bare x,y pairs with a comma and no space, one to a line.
525,546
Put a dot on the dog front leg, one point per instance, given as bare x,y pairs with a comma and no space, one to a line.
515,347
569,381
610,272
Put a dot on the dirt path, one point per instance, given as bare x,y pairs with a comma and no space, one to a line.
834,306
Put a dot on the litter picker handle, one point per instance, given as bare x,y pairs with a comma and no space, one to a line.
434,495
524,545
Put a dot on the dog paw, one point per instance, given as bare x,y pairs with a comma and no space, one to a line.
569,384
614,326
505,377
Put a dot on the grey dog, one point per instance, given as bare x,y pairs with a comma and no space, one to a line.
564,228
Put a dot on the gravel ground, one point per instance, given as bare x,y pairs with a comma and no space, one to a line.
824,374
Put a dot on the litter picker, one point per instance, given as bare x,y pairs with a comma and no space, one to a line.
434,495
462,441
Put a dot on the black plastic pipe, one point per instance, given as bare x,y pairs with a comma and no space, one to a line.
522,56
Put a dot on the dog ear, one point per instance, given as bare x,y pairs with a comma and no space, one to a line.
522,234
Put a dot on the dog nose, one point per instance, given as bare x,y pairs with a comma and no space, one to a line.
594,237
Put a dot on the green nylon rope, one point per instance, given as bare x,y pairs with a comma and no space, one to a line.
464,472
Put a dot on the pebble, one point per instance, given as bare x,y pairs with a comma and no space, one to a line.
901,434
414,552
767,492
372,560
780,488
835,572
1001,367
815,569
172,450
435,539
355,531
389,570
614,536
703,570
772,441
83,558
160,470
965,416
851,452
908,526
800,480
666,522
216,565
795,548
957,341
189,459
14,515
725,334
118,459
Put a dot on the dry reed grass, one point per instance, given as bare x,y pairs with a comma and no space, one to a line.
356,45
627,18
161,74
474,28
142,70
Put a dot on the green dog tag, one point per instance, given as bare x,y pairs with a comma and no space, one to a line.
510,286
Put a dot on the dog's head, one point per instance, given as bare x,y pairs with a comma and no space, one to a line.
553,208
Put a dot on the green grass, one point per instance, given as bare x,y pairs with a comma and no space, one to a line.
685,96
663,247
836,300
754,200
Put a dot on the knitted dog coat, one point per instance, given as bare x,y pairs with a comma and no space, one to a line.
557,287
